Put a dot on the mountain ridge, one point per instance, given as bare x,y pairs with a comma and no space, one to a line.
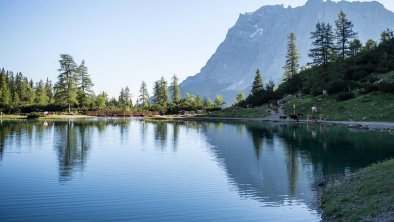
258,40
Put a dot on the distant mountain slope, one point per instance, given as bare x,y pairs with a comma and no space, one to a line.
258,40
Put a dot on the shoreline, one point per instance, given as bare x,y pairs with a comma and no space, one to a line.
373,125
350,124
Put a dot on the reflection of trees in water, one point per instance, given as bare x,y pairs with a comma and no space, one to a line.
71,144
175,135
73,141
12,133
160,134
295,158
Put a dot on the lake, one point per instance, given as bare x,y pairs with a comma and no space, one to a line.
136,170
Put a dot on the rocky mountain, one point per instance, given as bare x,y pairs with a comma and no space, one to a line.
259,39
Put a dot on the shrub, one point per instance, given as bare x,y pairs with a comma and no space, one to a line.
34,115
336,86
345,96
386,86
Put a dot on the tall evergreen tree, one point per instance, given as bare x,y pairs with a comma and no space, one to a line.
128,97
163,92
41,97
5,93
144,96
156,92
257,85
176,95
66,89
323,50
344,34
85,91
292,57
355,47
49,90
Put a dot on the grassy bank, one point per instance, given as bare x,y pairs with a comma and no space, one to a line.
241,112
367,195
374,106
48,117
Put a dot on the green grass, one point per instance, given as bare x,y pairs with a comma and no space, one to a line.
365,195
375,106
238,112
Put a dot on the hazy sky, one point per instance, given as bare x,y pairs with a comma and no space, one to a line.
122,41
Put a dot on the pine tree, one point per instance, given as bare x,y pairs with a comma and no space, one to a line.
41,97
163,92
292,57
176,95
128,97
49,91
156,92
344,34
144,96
5,93
66,89
85,91
355,47
323,50
257,85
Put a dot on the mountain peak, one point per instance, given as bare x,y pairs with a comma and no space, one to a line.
259,39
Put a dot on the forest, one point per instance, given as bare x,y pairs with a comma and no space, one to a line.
72,92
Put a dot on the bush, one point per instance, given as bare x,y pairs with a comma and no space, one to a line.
337,86
345,96
386,86
34,115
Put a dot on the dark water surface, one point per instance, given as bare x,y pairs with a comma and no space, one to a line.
132,170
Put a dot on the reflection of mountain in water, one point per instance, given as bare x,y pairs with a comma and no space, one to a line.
277,164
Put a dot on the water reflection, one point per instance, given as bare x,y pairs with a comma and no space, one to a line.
71,143
278,163
275,164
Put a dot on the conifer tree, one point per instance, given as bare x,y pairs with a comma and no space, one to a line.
355,47
257,85
66,89
291,66
163,92
344,35
323,50
49,91
85,85
176,95
144,96
41,97
5,93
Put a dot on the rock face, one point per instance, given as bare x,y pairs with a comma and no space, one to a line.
259,39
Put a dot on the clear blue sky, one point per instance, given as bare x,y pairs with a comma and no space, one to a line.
122,41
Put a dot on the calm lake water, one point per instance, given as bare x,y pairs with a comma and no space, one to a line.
116,169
